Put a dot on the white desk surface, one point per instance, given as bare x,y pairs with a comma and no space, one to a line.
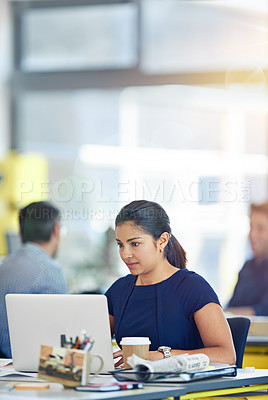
56,391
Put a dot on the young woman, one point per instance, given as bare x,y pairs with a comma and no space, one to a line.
176,308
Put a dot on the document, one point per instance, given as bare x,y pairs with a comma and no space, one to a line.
5,361
8,373
185,368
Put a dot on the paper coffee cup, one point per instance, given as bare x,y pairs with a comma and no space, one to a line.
134,345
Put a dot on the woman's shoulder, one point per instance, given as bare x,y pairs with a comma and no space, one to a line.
123,282
193,291
187,280
187,275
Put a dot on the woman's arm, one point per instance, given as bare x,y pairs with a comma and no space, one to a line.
215,334
117,354
111,319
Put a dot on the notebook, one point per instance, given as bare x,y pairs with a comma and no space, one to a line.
36,319
175,377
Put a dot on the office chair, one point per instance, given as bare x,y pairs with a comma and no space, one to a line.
239,327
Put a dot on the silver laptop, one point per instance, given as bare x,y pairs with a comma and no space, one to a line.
36,319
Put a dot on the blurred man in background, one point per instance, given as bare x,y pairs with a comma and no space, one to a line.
250,295
32,269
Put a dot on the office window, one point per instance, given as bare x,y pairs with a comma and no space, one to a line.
64,121
79,37
204,36
181,120
191,149
170,119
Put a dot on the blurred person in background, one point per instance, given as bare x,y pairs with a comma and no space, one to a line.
250,295
32,269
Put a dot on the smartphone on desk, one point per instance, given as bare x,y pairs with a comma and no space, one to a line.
109,387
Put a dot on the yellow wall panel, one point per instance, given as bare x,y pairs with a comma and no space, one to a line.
23,179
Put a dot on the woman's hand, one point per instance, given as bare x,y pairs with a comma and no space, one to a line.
155,355
119,362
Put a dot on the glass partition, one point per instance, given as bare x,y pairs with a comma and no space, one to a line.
203,36
168,102
82,37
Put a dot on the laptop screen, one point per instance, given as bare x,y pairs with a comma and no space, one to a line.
36,319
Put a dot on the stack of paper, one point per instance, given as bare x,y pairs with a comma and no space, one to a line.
171,370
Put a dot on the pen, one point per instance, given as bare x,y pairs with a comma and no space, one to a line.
82,342
130,385
77,343
62,340
109,387
89,346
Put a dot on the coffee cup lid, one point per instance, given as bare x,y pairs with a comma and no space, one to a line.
135,340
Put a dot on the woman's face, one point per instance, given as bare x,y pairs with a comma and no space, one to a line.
258,234
139,251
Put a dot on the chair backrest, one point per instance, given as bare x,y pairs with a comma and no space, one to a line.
239,327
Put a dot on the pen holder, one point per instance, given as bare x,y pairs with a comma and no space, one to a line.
69,367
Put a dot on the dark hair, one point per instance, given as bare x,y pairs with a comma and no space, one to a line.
153,219
37,221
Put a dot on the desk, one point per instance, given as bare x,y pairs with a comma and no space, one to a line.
257,380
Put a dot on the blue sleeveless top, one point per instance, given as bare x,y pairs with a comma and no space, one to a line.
163,311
